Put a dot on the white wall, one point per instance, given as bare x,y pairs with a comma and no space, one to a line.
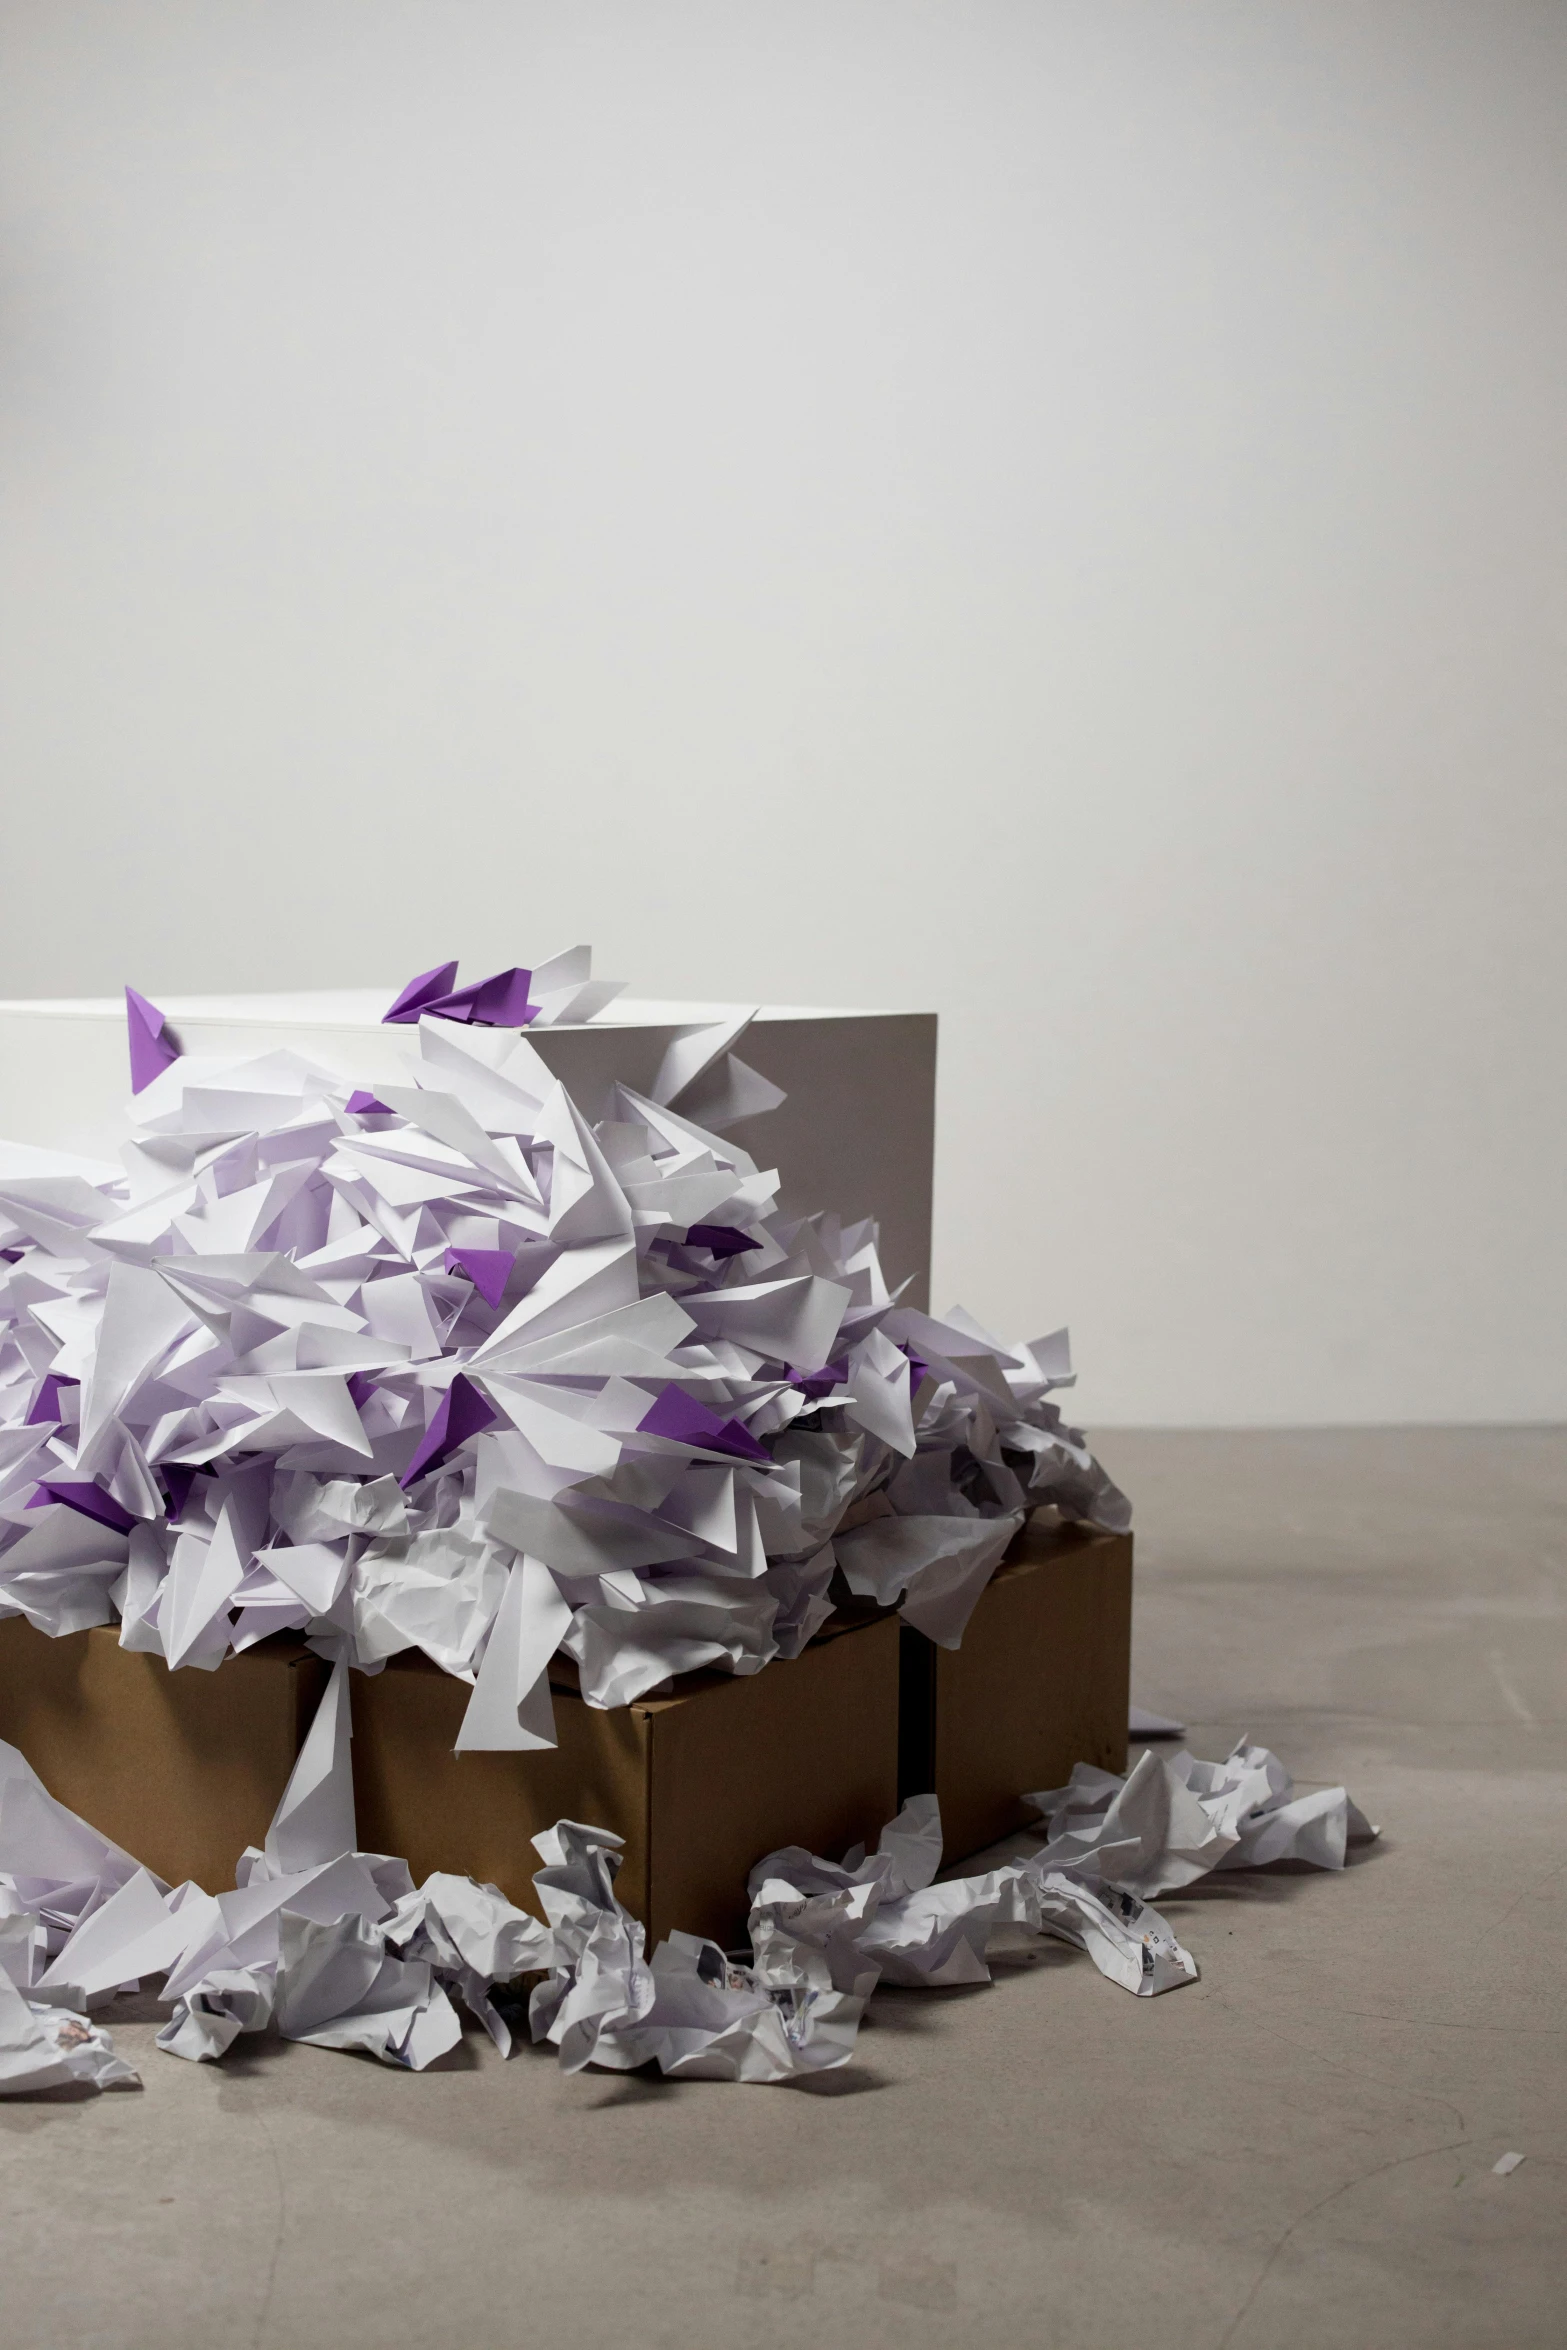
1051,512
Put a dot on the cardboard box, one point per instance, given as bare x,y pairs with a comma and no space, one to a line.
856,1133
1042,1681
700,1783
183,1769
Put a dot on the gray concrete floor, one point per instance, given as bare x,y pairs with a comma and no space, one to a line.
1295,2151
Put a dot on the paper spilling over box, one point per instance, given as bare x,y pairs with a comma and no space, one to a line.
328,1944
452,1366
699,1783
183,1769
383,1343
1040,1684
537,1402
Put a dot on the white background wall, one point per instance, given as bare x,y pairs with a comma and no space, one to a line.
1050,512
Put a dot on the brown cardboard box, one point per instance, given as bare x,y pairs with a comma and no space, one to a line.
700,1783
1041,1682
183,1769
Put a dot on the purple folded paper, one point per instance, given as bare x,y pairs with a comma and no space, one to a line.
361,1104
497,1002
682,1420
500,1001
462,1412
819,1383
153,1049
489,1269
720,1240
90,1501
178,1479
46,1403
420,994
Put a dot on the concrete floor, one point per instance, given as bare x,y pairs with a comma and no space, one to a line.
1295,2151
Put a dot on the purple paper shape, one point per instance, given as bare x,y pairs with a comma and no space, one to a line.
90,1501
360,1102
361,1386
178,1479
501,1001
46,1403
918,1369
489,1269
462,1412
153,1049
682,1420
818,1383
498,1002
720,1240
419,994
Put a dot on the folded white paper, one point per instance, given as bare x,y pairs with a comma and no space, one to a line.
447,1367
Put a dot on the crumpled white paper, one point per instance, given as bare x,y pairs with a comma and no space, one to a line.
1174,1819
329,1945
43,2047
446,1367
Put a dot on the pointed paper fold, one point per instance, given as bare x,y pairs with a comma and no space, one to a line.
46,1403
510,1710
489,1269
418,995
462,1412
681,1419
90,1500
721,1240
153,1048
500,1001
314,1822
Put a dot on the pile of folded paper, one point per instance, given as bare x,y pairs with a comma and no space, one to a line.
448,1368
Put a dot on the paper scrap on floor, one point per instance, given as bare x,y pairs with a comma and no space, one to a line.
325,1944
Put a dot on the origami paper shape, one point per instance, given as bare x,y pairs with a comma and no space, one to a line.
560,990
462,1412
420,994
685,1421
152,1044
89,1500
500,1001
721,1240
46,1405
489,1269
